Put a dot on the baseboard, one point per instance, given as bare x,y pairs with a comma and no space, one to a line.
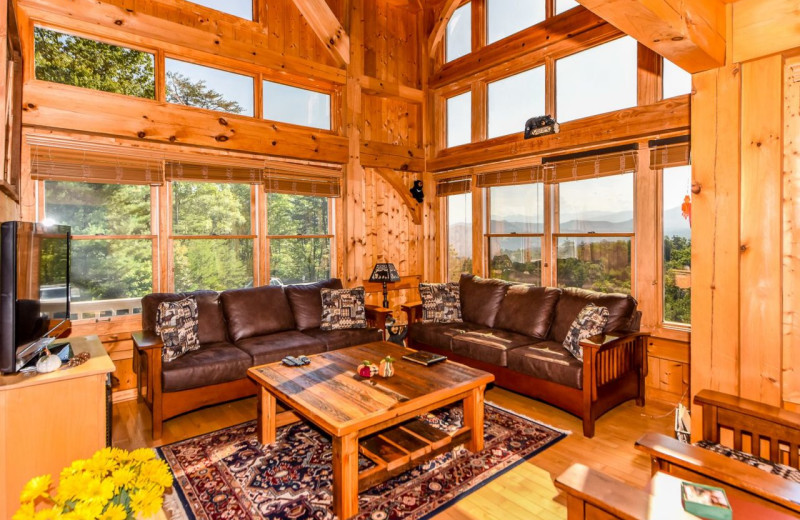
123,395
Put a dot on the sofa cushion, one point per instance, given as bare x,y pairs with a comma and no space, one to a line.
306,302
590,322
439,334
481,298
440,302
489,345
549,361
572,301
343,309
209,365
334,339
256,312
176,323
781,470
210,320
528,310
274,347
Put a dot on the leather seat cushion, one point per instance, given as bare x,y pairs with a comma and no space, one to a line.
439,334
620,310
211,364
334,339
528,310
274,347
489,345
256,312
306,302
481,298
547,360
210,320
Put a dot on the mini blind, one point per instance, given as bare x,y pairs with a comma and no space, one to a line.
453,186
666,153
88,162
205,172
527,175
302,183
581,166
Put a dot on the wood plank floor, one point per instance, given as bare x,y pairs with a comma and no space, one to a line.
523,493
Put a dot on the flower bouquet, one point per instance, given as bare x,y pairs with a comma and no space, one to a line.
112,485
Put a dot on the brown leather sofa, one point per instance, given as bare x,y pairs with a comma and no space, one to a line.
237,329
516,331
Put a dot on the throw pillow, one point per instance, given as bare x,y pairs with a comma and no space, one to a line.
441,302
343,309
176,323
590,322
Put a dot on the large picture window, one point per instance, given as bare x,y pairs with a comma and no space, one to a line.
296,105
513,99
458,39
459,119
206,87
506,17
459,235
240,8
676,80
516,230
677,247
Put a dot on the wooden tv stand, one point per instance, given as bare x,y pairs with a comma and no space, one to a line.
49,420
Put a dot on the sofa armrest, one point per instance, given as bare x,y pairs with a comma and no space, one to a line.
684,460
147,340
585,486
413,311
747,407
608,357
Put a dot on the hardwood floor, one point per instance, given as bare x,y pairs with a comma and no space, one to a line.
523,493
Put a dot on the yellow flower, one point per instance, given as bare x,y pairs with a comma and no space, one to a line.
100,463
118,455
74,468
99,491
142,455
147,500
72,487
157,472
35,488
88,510
114,512
47,514
25,512
122,477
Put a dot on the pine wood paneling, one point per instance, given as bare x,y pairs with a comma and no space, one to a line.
791,233
760,276
762,27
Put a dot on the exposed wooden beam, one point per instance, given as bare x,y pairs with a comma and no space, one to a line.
50,105
690,33
763,27
395,179
395,90
327,27
375,154
439,28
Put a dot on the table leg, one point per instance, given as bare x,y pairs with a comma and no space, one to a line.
345,476
473,418
267,408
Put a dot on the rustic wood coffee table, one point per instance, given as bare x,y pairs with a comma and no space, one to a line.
376,416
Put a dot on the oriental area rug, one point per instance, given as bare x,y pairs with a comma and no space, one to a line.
227,474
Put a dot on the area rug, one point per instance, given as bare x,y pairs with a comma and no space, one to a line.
227,474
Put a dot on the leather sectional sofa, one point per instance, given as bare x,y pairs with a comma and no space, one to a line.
237,329
516,331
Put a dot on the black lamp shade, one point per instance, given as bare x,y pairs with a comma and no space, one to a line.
384,273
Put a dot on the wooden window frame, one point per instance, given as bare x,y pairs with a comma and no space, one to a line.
334,109
442,102
444,208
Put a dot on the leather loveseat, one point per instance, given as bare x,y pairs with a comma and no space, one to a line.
516,331
237,329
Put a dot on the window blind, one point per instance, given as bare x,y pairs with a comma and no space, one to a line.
87,162
527,175
667,153
210,172
586,167
453,186
302,183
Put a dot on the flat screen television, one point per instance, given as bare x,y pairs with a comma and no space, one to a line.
34,290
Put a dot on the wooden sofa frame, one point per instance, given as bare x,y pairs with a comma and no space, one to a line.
766,431
166,405
614,371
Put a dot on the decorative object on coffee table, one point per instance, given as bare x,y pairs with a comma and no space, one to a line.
367,369
384,273
386,368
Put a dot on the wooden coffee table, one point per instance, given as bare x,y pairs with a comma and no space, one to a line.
377,416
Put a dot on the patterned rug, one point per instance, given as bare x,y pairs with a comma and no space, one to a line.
227,474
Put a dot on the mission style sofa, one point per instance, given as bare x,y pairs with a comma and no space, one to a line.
237,329
516,331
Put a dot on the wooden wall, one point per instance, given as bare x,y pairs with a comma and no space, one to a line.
745,267
9,208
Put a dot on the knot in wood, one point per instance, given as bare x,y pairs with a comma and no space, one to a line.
223,121
221,138
141,134
118,22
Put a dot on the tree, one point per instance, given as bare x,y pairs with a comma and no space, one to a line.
184,91
677,301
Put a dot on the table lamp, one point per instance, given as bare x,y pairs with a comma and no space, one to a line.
384,273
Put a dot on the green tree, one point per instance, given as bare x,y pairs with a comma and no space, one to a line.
677,261
298,260
184,91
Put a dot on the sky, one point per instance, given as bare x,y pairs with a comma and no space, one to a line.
236,87
240,8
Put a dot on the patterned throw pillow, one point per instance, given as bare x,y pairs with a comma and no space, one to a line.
343,309
441,302
590,322
176,323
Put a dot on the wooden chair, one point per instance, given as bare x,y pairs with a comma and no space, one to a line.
762,430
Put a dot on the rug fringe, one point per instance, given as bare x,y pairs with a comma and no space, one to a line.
537,421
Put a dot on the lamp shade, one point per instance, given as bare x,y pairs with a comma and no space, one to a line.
384,273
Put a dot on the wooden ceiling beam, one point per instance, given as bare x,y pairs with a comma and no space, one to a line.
326,26
439,28
689,33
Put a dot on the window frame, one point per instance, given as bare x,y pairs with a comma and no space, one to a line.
444,208
445,110
332,108
667,328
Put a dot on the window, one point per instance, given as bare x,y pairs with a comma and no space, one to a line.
595,233
516,229
459,235
565,5
513,100
459,119
598,80
506,17
209,88
112,250
240,8
458,40
297,106
300,238
676,80
72,60
677,247
212,237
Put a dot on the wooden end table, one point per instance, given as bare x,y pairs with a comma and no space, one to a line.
375,417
